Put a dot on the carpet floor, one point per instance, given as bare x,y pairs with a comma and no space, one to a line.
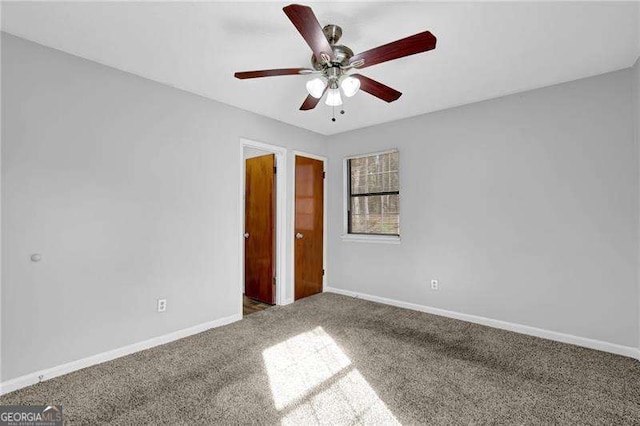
332,359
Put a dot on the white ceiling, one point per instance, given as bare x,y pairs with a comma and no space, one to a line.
485,50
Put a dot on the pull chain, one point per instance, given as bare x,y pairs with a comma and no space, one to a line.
333,112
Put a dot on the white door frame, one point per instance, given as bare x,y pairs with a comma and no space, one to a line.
324,220
281,202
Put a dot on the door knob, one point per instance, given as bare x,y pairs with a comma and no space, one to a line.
299,236
246,235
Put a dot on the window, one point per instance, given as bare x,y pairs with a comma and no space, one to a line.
373,194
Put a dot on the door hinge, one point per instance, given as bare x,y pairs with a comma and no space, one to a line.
323,272
275,170
324,175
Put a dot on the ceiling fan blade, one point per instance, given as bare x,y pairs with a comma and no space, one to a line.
309,28
311,102
417,43
377,89
271,73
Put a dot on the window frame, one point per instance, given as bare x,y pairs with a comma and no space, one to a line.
349,236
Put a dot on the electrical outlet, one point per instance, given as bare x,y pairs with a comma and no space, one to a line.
434,284
162,305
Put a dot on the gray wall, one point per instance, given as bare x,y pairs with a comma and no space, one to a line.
249,152
524,207
130,190
636,114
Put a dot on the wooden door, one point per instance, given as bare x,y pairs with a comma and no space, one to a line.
308,234
259,228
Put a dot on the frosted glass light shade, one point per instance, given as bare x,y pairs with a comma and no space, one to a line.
315,87
333,98
350,86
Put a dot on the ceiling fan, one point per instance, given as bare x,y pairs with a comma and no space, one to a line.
332,61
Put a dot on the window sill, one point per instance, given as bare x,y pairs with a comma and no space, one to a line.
383,239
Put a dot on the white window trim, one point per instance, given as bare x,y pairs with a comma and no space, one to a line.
364,238
361,238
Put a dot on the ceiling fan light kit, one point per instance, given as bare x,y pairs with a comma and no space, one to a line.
316,87
333,98
332,61
350,86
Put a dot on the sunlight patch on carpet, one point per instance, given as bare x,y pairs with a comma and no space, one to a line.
313,382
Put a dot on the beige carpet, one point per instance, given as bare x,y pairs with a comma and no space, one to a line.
332,359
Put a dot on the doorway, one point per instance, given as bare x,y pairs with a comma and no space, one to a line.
309,225
259,227
261,206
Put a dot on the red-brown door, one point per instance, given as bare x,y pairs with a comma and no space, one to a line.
259,228
308,236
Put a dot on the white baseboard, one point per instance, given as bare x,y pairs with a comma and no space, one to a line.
518,328
50,373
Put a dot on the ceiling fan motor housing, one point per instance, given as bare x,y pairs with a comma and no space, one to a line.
341,53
